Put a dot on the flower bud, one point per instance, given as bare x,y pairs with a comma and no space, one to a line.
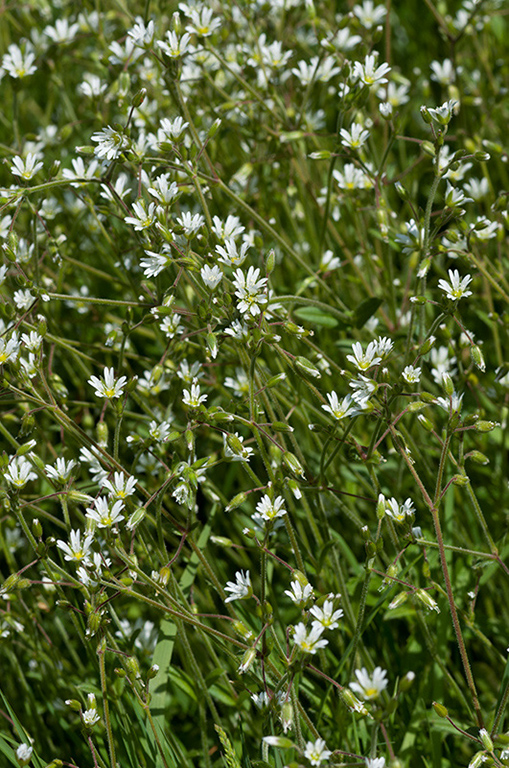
278,741
478,759
136,518
307,367
321,155
427,600
426,115
154,669
236,502
247,660
398,600
486,740
428,148
486,426
447,384
139,98
478,457
440,709
477,357
293,464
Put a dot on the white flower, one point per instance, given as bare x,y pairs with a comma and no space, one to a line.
24,754
18,64
106,386
211,276
260,700
19,472
173,46
250,290
443,114
355,137
329,262
202,23
450,404
363,387
352,178
61,472
443,73
230,254
76,550
326,616
25,168
457,288
193,398
369,73
369,15
309,642
477,188
23,299
9,349
103,515
239,589
163,191
170,325
191,224
121,487
62,32
299,594
398,512
92,86
455,197
90,717
110,143
487,229
369,686
171,130
159,432
316,752
227,230
142,34
240,384
411,374
364,360
271,509
156,262
375,762
340,410
142,218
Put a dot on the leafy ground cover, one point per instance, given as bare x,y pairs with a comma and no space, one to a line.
254,384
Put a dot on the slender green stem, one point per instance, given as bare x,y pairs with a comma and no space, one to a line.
101,650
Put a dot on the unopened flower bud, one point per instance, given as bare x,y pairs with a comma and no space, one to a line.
427,600
307,367
447,384
380,506
247,660
486,426
236,502
478,759
398,600
440,709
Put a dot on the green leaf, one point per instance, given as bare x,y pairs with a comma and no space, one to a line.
315,316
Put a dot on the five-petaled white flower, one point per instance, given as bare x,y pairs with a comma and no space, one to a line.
193,398
250,290
369,686
457,287
211,276
19,472
110,143
239,589
175,46
61,472
364,360
104,515
398,511
340,410
369,73
299,594
106,386
9,349
355,137
17,63
309,642
375,762
90,717
316,752
76,549
25,168
269,508
142,218
121,487
326,616
411,374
